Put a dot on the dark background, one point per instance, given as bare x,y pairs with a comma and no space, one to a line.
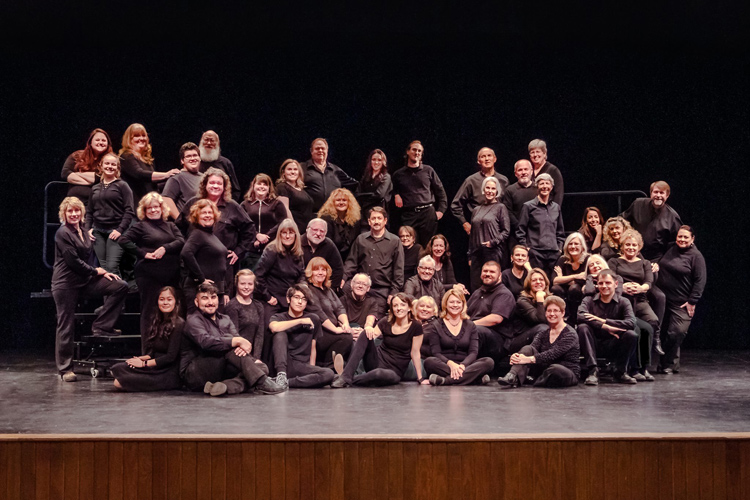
622,95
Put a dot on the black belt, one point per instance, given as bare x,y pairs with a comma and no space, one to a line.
419,208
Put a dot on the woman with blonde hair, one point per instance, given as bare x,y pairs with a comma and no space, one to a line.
426,311
342,214
570,273
290,188
138,164
613,229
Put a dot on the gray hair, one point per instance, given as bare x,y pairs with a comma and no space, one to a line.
317,219
489,179
427,260
538,143
544,177
365,276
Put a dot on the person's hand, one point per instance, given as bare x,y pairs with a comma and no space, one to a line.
242,346
239,351
456,370
114,235
347,328
156,254
439,215
541,295
103,272
486,244
591,317
581,275
272,301
690,308
91,234
425,382
467,227
356,332
208,282
232,257
527,265
262,238
136,362
172,172
307,323
370,332
654,267
390,298
515,359
598,228
256,244
558,271
226,299
399,202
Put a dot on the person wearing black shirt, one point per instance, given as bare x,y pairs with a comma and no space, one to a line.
514,277
362,309
471,193
425,282
81,168
490,228
412,250
158,244
439,249
266,211
185,185
540,227
655,220
73,276
322,177
517,194
290,189
211,158
419,194
570,274
211,351
606,324
538,157
682,276
530,312
552,356
247,313
294,336
315,244
138,164
342,214
591,229
375,189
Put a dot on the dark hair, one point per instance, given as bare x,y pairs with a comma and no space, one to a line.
86,159
607,272
368,169
188,146
687,228
379,210
261,179
428,249
208,288
298,287
162,325
585,229
403,297
493,263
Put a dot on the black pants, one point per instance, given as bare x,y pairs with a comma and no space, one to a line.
300,374
238,373
545,260
376,373
676,324
572,293
424,222
472,373
642,357
553,375
327,343
497,347
66,300
618,350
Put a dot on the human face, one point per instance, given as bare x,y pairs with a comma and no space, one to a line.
208,303
415,153
490,275
684,238
291,173
72,215
406,238
606,285
166,302
191,161
630,248
319,275
553,314
319,152
523,172
615,231
316,232
544,188
360,286
538,157
454,306
486,159
376,162
153,210
595,266
215,187
206,217
520,257
537,283
574,247
592,219
110,168
139,142
298,303
210,140
99,143
438,248
490,191
400,308
426,271
342,204
246,286
261,190
658,197
377,222
424,311
288,237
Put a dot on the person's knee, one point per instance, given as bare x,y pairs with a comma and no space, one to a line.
527,350
391,377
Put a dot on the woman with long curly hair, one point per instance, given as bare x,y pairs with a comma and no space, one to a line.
81,168
342,214
138,164
612,231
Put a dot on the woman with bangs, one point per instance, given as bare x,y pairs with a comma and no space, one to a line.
439,249
454,345
530,306
336,334
375,189
290,188
266,211
138,164
157,243
342,214
591,228
81,168
612,232
570,273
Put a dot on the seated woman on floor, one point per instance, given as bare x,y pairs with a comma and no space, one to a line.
159,368
454,344
385,364
247,313
553,355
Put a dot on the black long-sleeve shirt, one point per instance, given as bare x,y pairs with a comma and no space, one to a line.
342,234
110,207
540,226
489,222
514,284
137,173
319,185
381,259
567,269
657,227
300,204
72,255
165,351
558,190
682,275
636,272
204,336
446,275
205,257
530,311
147,235
372,194
325,304
565,350
275,273
411,260
82,192
618,312
266,217
462,348
470,195
514,197
234,227
250,322
419,186
327,250
416,287
223,164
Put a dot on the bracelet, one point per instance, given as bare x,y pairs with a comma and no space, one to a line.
420,380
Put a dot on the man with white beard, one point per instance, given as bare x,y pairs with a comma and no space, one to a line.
211,157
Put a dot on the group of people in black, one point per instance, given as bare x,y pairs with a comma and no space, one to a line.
300,283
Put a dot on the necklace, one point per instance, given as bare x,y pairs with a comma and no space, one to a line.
450,322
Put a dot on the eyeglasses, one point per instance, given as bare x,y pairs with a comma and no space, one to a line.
300,298
422,268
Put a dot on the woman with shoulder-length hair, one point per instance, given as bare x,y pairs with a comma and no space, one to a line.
439,249
530,305
81,168
159,367
342,214
266,211
385,364
412,250
72,276
553,355
570,273
157,243
613,229
280,266
376,188
426,311
490,228
455,345
290,187
138,164
591,228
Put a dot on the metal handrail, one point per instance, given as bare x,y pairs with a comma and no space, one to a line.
48,224
619,195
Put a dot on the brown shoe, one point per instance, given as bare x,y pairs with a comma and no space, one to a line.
69,376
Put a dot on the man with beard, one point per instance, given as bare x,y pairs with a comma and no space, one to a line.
211,157
183,186
538,156
657,222
470,194
517,194
315,244
322,177
491,307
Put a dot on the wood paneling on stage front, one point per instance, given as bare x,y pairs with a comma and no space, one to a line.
141,468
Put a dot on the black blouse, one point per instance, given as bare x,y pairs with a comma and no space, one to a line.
266,217
342,234
300,204
411,260
72,256
326,304
147,235
275,273
489,222
462,348
250,322
205,257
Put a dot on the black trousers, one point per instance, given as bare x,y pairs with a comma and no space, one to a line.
545,260
376,373
676,324
238,373
66,300
618,350
424,222
497,347
327,343
553,375
472,373
299,374
642,356
572,293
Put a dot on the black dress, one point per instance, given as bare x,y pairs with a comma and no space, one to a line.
300,204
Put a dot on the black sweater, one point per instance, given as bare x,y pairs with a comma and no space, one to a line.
147,235
234,227
565,350
682,275
72,254
81,192
461,348
137,174
165,350
275,273
250,322
205,257
618,312
110,207
325,304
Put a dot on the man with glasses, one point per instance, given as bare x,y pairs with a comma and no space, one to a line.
425,282
183,186
362,309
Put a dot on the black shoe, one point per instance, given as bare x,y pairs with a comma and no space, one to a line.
657,345
215,388
592,379
115,332
339,382
510,380
624,378
436,379
268,386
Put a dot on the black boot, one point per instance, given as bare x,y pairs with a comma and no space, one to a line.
510,380
657,345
